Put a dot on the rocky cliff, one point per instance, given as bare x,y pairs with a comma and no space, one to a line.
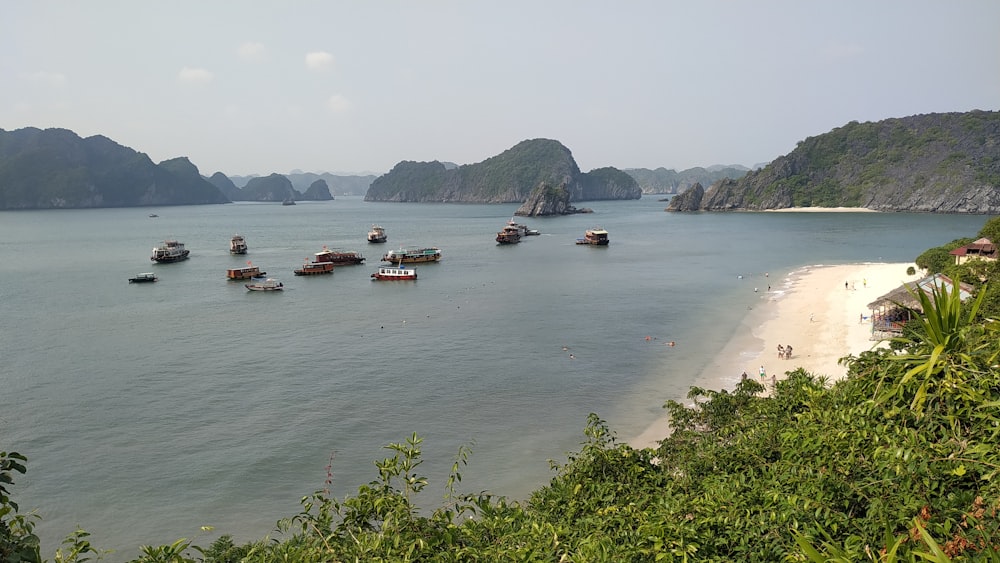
55,168
506,178
547,200
948,162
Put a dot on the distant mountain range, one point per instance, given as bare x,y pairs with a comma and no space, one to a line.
946,162
939,162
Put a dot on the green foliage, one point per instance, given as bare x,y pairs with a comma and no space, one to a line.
991,230
938,259
18,541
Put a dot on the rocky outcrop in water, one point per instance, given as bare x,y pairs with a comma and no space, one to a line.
548,200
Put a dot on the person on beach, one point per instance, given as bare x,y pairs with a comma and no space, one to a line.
788,352
763,373
744,376
781,351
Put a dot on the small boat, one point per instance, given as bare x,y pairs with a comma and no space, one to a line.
377,234
509,235
245,272
314,268
169,251
594,237
153,215
237,245
269,284
339,257
413,255
395,273
288,201
523,229
145,277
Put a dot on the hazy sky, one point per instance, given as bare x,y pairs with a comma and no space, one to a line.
258,87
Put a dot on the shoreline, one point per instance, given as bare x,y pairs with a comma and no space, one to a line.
822,210
820,311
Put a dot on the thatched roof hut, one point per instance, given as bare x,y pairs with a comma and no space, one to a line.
904,294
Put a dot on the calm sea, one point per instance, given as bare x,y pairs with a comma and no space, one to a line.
149,410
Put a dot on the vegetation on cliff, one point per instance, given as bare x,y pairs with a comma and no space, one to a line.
506,178
946,162
55,168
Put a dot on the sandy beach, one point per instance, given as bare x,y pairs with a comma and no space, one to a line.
820,311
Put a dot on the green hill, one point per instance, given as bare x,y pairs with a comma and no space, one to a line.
506,178
56,168
943,162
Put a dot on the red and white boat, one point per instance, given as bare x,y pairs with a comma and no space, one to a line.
395,273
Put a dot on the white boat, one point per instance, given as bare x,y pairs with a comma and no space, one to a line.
395,273
270,284
522,229
377,234
237,245
169,251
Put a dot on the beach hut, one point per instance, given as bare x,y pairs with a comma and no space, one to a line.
891,311
981,249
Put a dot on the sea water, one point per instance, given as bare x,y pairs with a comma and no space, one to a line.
149,410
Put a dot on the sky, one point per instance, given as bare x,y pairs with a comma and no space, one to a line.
354,87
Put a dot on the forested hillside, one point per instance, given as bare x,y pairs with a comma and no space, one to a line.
944,162
506,178
55,168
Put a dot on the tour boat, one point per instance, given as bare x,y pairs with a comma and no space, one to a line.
595,237
339,257
145,277
245,272
169,251
509,235
523,229
269,284
377,234
237,245
413,255
395,273
314,268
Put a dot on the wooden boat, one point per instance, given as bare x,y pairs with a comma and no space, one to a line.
267,285
395,273
288,201
169,251
314,268
594,237
509,235
413,255
339,257
377,234
245,272
145,277
237,245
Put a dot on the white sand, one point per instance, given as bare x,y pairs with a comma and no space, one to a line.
822,210
815,314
